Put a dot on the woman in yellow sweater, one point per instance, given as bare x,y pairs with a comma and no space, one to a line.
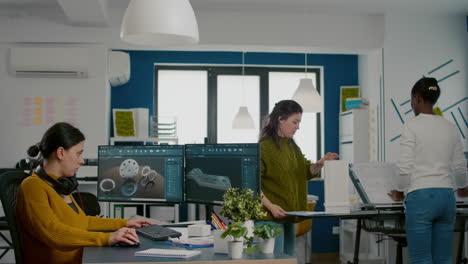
285,171
54,229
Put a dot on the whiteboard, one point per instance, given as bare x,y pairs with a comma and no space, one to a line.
377,179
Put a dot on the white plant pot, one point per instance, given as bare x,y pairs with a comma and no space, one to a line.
235,249
250,227
267,246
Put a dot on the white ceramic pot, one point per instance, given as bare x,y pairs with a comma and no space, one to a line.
235,249
250,227
267,246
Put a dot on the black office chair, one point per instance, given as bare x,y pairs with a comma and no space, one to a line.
9,183
88,203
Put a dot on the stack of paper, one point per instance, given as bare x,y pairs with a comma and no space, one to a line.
206,241
167,253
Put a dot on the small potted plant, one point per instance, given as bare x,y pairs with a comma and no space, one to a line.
267,232
242,206
237,232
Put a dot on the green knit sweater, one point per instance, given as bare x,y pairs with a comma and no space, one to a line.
285,172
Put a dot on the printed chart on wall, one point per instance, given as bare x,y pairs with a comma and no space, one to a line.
47,110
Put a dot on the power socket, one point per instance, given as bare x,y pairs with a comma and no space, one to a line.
335,230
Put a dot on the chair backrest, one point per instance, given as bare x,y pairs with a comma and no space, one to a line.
88,203
9,184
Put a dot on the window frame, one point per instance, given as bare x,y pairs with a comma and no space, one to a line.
260,70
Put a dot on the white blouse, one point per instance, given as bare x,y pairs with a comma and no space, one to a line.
431,155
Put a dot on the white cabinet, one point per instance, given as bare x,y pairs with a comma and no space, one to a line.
354,135
354,147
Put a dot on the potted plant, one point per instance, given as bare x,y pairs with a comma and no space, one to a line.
237,232
242,206
267,232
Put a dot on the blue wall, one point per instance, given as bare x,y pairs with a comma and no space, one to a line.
339,70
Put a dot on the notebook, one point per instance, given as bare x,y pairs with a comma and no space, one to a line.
167,253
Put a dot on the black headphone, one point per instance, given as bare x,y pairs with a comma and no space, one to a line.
63,185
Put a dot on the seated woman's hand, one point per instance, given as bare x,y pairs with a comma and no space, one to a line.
124,234
138,223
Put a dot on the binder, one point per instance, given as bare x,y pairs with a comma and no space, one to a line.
167,253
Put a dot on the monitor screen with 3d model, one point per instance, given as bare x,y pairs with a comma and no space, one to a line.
141,173
210,169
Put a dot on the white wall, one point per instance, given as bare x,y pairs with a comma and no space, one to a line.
88,108
415,45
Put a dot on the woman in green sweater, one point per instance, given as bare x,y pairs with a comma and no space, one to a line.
53,228
285,171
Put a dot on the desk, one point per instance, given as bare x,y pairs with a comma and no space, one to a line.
126,255
397,217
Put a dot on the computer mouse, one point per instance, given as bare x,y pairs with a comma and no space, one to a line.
123,244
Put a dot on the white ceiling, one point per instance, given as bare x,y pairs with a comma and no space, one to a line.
94,12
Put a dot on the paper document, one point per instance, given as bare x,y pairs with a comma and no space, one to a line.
195,241
307,213
167,253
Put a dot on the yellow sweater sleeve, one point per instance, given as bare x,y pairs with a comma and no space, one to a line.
96,223
43,214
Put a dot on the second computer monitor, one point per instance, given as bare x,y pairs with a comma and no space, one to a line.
141,173
211,169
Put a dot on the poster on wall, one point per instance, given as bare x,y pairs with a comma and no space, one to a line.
347,92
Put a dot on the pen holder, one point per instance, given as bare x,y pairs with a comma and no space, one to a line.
220,244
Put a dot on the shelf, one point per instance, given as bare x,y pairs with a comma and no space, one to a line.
147,139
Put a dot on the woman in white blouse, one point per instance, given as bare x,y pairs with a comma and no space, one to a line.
431,166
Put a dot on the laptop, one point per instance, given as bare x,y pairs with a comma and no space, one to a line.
373,180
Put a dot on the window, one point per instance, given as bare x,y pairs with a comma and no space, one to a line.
205,100
182,94
282,86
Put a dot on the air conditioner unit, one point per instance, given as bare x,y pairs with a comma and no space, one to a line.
58,62
118,68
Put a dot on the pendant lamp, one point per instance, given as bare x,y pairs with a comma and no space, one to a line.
307,96
243,119
159,22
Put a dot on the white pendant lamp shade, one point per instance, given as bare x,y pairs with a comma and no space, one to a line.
159,22
243,119
308,97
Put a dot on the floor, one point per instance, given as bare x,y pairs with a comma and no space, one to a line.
329,258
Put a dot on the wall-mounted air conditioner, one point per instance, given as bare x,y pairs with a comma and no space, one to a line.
58,62
118,68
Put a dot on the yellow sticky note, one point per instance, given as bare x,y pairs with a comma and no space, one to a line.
37,120
38,111
38,100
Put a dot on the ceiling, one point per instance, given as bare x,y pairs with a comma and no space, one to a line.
95,12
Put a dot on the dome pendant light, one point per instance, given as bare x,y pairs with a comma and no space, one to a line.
243,119
307,96
159,22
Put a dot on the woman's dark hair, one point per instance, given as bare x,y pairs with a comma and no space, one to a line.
61,134
283,109
428,89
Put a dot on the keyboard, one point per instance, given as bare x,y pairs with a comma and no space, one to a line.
157,232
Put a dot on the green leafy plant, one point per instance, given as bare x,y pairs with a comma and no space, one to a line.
235,230
242,205
267,230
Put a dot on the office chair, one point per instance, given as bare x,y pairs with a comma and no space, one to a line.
9,184
88,203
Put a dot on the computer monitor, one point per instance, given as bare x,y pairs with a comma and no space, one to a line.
141,173
210,169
